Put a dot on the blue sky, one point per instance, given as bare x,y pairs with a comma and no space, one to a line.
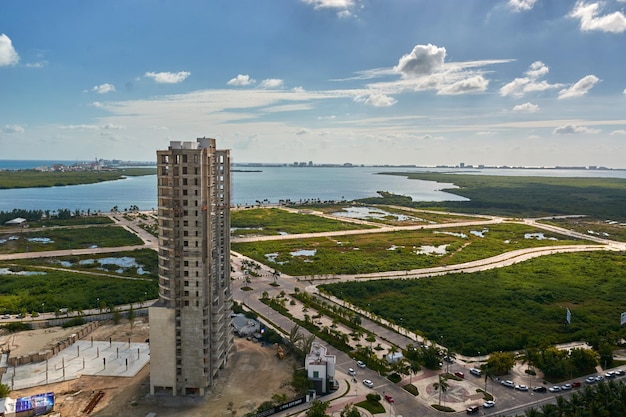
426,82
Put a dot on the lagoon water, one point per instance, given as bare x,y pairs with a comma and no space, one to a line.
269,185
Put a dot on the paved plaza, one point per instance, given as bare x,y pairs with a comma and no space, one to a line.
96,358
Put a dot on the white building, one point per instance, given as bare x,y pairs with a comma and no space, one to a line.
320,368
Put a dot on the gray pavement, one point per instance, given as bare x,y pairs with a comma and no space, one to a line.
84,357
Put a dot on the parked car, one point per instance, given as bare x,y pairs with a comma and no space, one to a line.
459,374
576,384
368,383
508,383
476,372
610,375
472,409
6,316
620,372
590,380
351,372
489,404
566,387
599,378
360,364
540,388
555,389
389,398
521,387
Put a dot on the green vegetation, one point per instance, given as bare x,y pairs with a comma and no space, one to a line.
605,229
274,221
372,404
603,399
504,309
32,178
25,240
395,251
145,263
398,216
602,198
56,290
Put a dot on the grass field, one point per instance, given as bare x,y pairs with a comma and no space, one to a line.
274,221
24,240
395,251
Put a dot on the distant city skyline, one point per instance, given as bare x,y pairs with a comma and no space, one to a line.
532,83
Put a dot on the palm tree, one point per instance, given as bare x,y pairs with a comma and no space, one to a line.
449,356
488,373
295,336
414,367
441,386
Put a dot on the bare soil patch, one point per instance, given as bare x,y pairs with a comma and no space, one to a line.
254,373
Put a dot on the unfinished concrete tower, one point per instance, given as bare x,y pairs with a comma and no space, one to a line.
190,335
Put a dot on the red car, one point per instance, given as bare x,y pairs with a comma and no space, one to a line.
389,398
576,384
459,374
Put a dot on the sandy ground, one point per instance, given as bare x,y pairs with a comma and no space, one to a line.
259,374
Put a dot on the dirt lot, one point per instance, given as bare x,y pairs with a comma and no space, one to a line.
253,375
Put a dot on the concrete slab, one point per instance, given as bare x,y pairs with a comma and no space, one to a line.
82,358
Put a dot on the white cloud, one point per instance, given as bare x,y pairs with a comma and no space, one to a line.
79,127
104,88
620,132
521,5
39,64
624,92
589,20
423,60
330,4
241,80
302,131
271,83
581,87
344,8
8,55
111,126
168,77
573,129
376,100
526,108
12,129
520,86
475,84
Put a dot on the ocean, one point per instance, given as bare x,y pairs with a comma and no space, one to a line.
269,185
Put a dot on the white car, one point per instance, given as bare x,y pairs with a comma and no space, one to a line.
351,372
360,364
566,387
554,389
368,383
521,387
488,404
508,383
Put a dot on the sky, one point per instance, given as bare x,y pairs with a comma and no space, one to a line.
421,82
